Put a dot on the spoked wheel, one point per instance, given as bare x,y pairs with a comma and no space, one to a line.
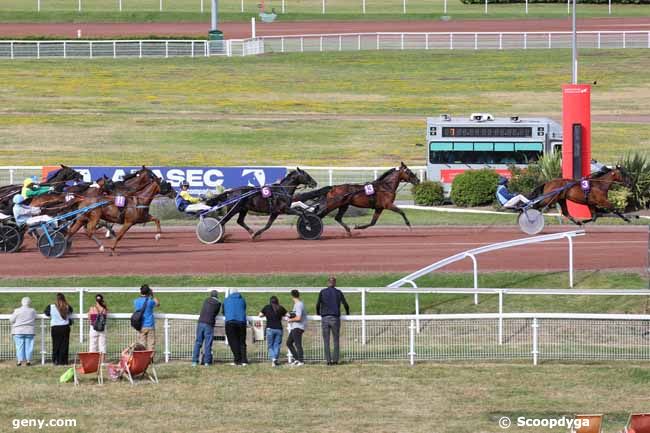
10,239
310,226
531,221
209,231
55,248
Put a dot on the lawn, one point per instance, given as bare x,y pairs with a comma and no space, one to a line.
320,109
458,397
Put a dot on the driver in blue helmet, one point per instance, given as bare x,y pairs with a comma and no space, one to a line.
507,199
186,202
25,214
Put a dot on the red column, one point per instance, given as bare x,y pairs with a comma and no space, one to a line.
576,116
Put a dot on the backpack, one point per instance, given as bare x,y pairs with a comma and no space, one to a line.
137,318
100,322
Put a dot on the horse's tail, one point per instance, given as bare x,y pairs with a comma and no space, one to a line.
317,193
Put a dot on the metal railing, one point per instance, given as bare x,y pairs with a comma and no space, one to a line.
454,41
562,337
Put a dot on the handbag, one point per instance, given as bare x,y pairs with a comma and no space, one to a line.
137,318
100,322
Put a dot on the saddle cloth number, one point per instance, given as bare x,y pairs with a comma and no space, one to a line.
369,189
120,201
585,185
266,192
69,197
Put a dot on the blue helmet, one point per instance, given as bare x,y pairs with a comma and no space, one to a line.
18,199
503,180
185,184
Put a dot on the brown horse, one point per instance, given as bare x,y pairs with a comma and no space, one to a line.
382,196
134,211
595,197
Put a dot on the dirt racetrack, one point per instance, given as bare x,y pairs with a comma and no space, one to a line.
380,250
243,30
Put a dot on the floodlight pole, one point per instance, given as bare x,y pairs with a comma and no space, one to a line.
574,49
215,14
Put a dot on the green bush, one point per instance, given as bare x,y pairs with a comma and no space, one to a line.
637,167
428,193
550,166
474,188
619,196
524,181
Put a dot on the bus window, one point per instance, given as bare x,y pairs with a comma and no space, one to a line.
486,157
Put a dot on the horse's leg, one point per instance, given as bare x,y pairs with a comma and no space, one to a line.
241,222
91,228
372,222
621,216
339,218
401,212
125,227
565,212
156,221
268,225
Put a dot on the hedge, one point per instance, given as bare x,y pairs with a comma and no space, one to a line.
474,188
428,193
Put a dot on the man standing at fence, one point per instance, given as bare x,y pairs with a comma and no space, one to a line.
328,307
205,329
147,302
297,325
234,308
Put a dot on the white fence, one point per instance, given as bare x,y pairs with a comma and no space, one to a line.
537,337
86,49
454,41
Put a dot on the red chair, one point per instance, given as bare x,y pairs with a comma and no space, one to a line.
638,423
139,365
595,424
89,362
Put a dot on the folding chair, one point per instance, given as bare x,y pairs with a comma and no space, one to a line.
139,364
638,423
89,362
595,424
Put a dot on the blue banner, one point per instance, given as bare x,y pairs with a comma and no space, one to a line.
201,179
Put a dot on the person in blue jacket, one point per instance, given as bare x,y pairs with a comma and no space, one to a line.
234,309
507,199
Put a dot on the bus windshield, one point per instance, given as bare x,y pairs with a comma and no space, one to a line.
473,157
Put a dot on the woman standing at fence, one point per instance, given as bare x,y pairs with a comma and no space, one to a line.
97,315
22,322
61,320
274,312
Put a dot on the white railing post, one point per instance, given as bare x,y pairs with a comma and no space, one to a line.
359,42
81,315
570,261
475,270
426,41
114,50
43,341
166,49
340,42
140,49
412,343
79,6
283,8
11,47
320,46
549,41
401,41
242,6
323,2
500,41
535,352
599,40
282,44
302,44
648,39
375,174
403,6
378,40
476,41
38,50
120,5
624,39
500,316
330,175
417,313
167,347
363,6
525,41
38,6
161,7
91,49
451,41
363,316
11,170
202,8
192,48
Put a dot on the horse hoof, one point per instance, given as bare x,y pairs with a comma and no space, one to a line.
101,249
108,234
157,237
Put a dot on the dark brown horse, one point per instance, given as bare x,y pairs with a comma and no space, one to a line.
595,196
381,196
135,211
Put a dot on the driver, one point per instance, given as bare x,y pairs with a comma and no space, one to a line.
31,188
506,198
25,214
185,202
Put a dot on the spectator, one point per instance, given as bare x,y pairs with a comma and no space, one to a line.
234,308
22,322
147,335
274,312
60,323
205,329
97,315
116,371
297,325
328,307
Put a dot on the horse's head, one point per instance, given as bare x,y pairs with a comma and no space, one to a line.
64,174
166,189
406,175
619,174
301,177
106,185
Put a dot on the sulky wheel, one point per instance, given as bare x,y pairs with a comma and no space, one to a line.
310,227
209,231
55,246
10,239
531,221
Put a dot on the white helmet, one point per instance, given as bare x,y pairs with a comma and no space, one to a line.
18,199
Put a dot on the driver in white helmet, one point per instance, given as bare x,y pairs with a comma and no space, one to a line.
25,214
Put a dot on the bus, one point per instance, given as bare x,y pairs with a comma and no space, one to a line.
482,141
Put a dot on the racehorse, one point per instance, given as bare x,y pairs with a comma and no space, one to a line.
135,210
279,202
594,196
56,179
380,196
